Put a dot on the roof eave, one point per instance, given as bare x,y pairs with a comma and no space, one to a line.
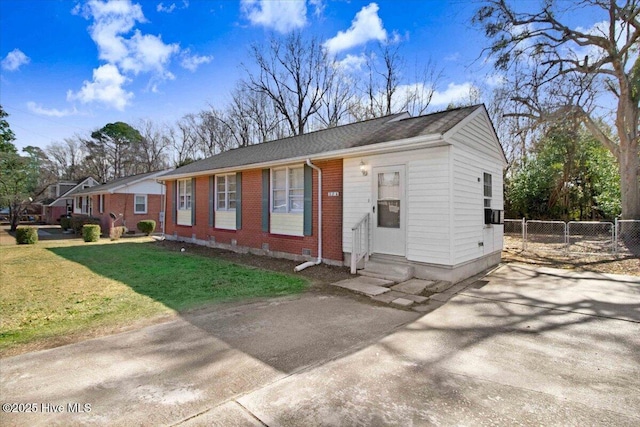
422,141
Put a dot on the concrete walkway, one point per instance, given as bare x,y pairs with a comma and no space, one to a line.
525,347
422,296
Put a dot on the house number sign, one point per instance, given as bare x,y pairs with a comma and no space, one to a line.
333,193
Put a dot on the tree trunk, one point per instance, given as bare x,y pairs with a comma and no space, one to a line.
629,187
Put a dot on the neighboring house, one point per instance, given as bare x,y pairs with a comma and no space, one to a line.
419,191
130,199
64,202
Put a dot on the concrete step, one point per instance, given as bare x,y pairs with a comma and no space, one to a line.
389,271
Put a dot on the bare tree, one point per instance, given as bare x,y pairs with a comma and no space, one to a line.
153,147
294,74
253,117
571,72
67,158
183,141
338,99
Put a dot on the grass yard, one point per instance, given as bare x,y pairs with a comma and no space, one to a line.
53,291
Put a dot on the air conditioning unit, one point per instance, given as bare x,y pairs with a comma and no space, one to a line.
492,216
497,217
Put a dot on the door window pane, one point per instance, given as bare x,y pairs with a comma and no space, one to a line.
388,206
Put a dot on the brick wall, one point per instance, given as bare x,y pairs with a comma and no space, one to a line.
251,234
120,203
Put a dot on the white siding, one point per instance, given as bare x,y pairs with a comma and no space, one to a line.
148,186
475,153
290,224
184,217
429,207
427,200
225,220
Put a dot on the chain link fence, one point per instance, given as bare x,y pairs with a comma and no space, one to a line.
576,237
627,240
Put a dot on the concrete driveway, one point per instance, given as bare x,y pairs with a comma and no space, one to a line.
166,373
525,346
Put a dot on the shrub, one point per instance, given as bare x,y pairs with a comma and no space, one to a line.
91,232
65,222
116,232
26,235
147,226
77,222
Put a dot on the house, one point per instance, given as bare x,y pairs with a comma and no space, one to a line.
421,192
64,202
124,201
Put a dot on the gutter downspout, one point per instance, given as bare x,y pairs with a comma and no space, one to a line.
164,211
164,202
319,260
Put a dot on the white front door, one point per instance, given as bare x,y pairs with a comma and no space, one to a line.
389,211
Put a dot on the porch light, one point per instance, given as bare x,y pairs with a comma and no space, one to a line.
363,168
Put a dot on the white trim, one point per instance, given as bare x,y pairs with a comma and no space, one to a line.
226,192
186,206
135,204
287,189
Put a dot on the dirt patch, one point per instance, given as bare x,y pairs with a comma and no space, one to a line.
320,274
629,265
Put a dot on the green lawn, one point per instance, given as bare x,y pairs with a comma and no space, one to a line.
61,288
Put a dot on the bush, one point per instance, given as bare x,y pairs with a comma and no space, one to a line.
116,232
26,235
91,232
147,226
65,222
77,222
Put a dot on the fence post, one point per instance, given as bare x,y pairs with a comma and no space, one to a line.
524,234
615,236
566,237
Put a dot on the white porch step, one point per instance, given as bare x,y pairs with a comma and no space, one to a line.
387,270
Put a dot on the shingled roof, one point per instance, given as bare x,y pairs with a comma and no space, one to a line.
117,183
383,129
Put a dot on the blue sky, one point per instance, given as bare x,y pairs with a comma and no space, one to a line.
70,67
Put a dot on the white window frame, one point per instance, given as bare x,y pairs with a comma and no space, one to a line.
287,189
225,193
487,184
184,194
135,204
101,203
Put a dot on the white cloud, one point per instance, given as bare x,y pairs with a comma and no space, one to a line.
112,21
351,63
366,26
454,93
147,53
495,80
280,15
127,51
14,60
318,7
106,88
51,112
167,9
192,62
172,7
452,57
